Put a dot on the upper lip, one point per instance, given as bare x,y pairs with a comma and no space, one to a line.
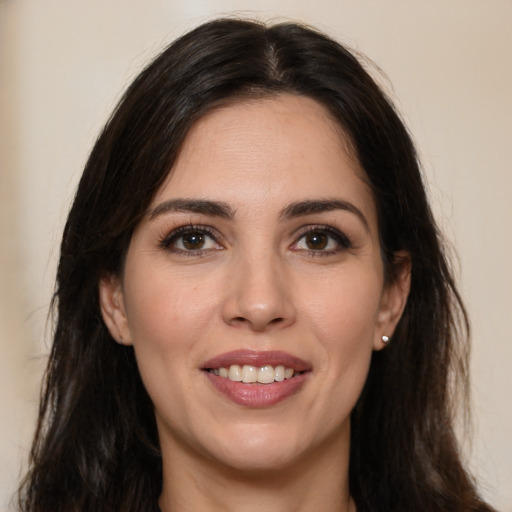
257,358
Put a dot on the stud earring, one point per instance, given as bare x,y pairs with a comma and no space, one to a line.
385,340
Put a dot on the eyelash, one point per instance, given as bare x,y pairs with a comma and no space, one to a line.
342,241
168,240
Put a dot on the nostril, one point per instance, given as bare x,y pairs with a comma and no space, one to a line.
243,320
239,320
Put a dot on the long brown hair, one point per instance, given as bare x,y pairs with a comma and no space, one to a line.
96,446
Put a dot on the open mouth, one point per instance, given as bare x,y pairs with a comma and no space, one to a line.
257,378
249,374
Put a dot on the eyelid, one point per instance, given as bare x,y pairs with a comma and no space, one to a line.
165,241
343,241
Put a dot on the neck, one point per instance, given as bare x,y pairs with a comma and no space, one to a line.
319,481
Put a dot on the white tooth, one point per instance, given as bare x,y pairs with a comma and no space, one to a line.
216,371
223,372
266,374
288,373
235,373
279,373
249,373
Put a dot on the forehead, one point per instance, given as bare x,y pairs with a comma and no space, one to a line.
270,150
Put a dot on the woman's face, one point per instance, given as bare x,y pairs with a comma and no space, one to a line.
259,258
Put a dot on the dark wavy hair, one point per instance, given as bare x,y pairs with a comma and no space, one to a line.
96,446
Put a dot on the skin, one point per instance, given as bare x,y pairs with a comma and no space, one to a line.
257,283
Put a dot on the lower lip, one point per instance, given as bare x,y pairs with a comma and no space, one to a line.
257,395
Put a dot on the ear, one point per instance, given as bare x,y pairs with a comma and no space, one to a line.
394,299
112,308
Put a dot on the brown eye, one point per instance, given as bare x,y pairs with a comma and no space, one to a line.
193,241
190,240
322,240
316,240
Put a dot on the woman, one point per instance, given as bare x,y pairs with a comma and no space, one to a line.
253,304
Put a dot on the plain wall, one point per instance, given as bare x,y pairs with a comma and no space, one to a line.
63,65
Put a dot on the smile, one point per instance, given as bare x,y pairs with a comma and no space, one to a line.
257,379
253,374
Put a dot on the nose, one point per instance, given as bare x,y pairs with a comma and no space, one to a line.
258,295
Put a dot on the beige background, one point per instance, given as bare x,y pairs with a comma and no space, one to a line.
63,64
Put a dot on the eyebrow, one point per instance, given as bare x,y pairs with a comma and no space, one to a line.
203,206
223,210
309,207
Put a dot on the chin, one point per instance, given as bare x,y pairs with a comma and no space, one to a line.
255,448
254,461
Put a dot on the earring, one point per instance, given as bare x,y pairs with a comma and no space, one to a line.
385,340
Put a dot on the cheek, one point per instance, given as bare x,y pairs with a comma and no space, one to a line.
167,314
345,309
344,320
